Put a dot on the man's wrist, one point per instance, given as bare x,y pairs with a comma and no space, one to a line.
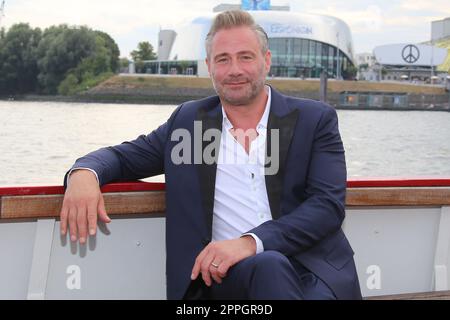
258,242
250,243
81,170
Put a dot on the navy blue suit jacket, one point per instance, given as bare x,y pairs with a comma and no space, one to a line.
306,195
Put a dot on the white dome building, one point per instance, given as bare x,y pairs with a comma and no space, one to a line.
302,45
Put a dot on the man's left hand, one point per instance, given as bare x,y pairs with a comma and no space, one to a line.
217,257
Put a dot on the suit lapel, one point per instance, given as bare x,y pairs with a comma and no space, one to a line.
211,119
283,119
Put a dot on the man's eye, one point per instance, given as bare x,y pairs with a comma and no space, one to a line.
247,57
222,60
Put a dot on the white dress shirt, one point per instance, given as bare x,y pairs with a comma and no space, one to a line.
240,200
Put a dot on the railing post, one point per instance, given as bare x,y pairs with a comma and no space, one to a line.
41,259
323,86
441,258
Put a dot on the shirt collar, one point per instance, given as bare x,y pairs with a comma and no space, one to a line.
264,119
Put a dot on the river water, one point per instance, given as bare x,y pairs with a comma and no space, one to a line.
39,141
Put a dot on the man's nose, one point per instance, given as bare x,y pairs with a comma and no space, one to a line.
235,68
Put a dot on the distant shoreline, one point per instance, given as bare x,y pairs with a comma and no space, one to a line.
144,89
163,100
91,99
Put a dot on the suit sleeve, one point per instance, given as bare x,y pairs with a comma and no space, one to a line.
137,159
323,210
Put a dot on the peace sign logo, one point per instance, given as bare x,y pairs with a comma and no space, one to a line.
410,53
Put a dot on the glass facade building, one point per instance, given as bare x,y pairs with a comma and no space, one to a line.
302,45
304,58
174,67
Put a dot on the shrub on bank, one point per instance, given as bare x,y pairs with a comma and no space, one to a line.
59,59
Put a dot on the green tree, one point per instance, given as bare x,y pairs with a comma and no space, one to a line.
92,69
18,67
68,85
363,66
60,59
350,72
124,62
113,50
183,65
139,66
62,48
143,52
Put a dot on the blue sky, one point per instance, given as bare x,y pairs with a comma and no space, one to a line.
129,22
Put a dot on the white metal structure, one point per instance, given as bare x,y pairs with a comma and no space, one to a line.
407,54
440,29
397,250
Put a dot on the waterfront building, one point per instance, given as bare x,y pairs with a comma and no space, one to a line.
302,45
440,29
410,62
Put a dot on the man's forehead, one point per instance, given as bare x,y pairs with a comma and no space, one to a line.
236,39
239,31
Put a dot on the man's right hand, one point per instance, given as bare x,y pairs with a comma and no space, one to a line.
83,201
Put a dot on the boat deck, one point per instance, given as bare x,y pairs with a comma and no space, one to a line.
398,228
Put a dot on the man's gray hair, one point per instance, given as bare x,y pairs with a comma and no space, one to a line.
236,18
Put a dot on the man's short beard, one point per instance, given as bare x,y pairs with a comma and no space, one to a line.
255,90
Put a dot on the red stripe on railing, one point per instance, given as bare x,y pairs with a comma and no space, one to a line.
111,187
375,182
397,182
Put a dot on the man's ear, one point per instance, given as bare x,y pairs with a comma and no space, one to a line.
268,60
207,64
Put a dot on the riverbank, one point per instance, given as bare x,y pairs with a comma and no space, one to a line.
149,89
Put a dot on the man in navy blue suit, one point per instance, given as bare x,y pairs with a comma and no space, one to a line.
255,183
